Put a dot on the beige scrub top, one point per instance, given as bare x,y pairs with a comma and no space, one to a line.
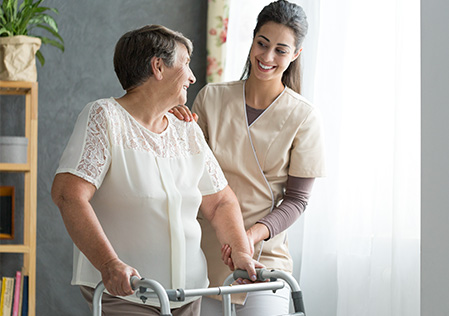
286,139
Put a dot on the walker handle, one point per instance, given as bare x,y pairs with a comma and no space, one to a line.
135,283
243,274
273,275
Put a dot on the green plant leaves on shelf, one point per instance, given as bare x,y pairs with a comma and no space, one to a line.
29,15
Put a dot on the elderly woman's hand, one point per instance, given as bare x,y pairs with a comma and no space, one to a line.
182,112
244,261
116,277
226,255
226,251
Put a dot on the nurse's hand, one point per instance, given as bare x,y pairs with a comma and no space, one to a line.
182,112
226,256
116,276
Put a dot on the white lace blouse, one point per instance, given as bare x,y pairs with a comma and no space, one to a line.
149,189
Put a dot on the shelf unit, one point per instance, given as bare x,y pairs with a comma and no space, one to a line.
28,248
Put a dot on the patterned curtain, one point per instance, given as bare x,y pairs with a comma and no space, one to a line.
217,31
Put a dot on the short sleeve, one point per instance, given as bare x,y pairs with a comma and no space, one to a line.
307,157
213,179
87,154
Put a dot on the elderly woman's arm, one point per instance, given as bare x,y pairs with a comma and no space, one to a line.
223,212
72,195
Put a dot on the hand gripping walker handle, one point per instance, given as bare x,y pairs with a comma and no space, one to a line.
264,275
243,274
135,283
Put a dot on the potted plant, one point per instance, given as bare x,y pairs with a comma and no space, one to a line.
19,44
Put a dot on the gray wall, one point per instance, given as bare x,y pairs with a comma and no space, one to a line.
67,82
435,158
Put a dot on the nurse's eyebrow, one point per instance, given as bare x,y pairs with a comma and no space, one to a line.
280,44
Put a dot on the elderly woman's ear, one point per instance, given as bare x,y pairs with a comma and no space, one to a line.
157,65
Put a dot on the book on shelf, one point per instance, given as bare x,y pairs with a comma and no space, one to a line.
2,296
25,296
14,294
17,290
7,296
23,272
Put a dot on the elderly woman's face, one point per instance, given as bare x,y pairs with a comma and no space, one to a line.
180,76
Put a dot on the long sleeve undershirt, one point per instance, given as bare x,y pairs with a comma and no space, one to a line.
296,195
294,204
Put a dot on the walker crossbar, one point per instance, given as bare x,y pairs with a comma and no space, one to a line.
180,294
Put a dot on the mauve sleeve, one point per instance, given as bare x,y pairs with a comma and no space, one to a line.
294,204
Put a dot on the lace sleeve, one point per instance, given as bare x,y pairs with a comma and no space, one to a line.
213,175
214,170
87,154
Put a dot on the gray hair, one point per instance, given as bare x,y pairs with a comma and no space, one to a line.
135,49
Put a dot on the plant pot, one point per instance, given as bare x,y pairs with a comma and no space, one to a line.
18,58
13,149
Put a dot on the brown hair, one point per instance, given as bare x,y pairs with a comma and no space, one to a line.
135,49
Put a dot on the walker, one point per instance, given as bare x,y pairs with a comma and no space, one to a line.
150,288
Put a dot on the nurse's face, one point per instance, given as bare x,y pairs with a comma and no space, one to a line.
272,51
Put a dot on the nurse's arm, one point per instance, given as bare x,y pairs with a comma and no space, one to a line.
72,195
223,212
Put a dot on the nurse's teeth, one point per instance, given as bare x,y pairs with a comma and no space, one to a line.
264,67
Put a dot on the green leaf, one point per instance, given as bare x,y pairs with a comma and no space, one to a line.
40,57
50,21
27,2
43,9
46,40
4,31
55,34
44,19
2,18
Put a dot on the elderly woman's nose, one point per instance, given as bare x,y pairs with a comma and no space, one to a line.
192,78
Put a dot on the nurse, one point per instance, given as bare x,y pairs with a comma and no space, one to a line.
268,140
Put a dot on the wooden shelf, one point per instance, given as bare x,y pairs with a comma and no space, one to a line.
14,167
16,87
14,249
29,90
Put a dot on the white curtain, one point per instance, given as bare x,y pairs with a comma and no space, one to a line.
357,247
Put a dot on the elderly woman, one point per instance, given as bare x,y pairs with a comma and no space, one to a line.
133,177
